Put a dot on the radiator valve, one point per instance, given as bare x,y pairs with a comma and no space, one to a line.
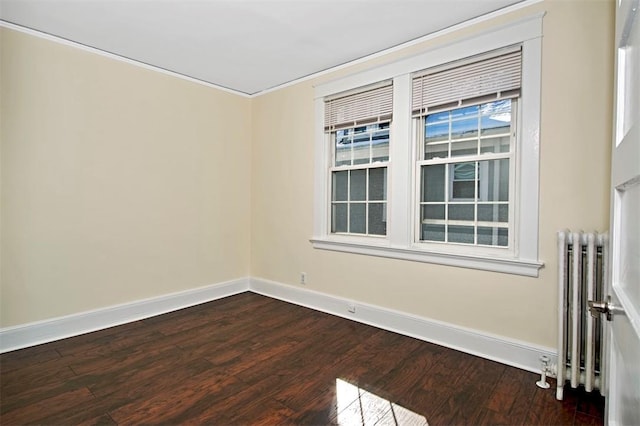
542,383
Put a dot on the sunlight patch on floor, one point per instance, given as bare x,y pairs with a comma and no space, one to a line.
358,406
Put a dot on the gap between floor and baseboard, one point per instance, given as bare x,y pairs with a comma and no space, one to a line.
497,348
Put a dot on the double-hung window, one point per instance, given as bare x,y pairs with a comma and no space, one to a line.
435,158
357,126
465,116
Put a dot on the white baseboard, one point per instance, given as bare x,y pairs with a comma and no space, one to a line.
517,354
35,333
497,348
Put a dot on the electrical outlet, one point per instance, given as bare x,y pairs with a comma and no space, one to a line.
303,278
351,307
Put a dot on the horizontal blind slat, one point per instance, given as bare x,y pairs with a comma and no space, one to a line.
367,106
492,76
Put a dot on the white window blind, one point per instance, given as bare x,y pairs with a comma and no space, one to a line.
495,77
373,104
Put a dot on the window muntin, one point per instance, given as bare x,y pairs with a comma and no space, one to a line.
466,175
359,180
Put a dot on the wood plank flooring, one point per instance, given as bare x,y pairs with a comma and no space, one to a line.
249,359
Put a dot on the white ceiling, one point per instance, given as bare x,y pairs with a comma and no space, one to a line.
247,46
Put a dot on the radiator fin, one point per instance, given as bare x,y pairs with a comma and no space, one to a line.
582,270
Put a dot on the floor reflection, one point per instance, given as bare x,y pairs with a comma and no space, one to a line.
357,406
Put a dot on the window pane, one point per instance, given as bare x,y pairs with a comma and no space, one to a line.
499,144
436,150
339,217
438,117
503,237
493,236
362,145
466,112
494,180
467,128
432,232
358,185
378,183
464,171
380,146
493,212
463,190
433,212
357,213
436,127
464,181
433,182
461,211
464,148
496,117
461,234
495,128
340,181
436,132
343,147
377,219
361,149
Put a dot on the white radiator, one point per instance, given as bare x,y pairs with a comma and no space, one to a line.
582,270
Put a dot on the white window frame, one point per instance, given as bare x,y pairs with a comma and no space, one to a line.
367,167
461,248
400,240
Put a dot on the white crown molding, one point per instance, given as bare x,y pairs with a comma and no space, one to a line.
515,353
25,335
120,58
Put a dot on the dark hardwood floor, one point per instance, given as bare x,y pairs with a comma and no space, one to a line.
249,359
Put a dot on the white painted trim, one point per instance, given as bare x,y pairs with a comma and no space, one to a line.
22,336
497,348
399,223
514,266
120,58
528,168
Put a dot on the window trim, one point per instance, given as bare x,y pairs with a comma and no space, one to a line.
399,242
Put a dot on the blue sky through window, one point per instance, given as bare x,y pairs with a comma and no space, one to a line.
464,121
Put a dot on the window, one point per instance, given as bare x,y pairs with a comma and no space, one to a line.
465,162
360,154
359,180
465,175
444,167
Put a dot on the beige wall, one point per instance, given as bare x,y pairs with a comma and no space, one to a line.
574,176
118,183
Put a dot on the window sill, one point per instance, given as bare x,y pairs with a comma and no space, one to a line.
495,264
